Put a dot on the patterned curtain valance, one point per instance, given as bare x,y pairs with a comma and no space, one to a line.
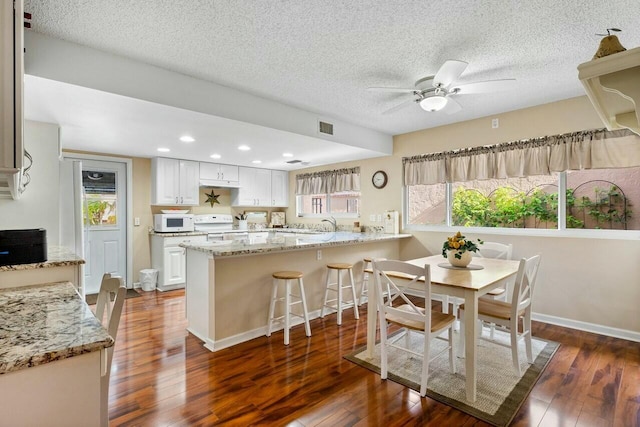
591,149
329,181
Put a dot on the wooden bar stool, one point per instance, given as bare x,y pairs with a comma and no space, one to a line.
289,300
337,287
364,289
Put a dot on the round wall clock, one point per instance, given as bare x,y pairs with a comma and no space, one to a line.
379,179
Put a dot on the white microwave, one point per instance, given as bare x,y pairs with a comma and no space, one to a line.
168,223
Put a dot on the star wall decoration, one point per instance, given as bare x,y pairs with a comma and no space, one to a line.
212,198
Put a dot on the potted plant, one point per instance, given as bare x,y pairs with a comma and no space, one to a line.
457,250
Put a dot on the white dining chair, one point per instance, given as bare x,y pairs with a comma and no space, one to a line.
509,314
495,250
109,309
402,311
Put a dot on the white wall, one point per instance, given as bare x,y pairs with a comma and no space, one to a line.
38,206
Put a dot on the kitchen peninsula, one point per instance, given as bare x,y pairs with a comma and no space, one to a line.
229,282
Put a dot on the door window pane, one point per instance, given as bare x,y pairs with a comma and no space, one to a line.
99,208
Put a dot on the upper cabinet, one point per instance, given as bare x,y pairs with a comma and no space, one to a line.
279,188
11,98
218,175
612,84
261,187
174,182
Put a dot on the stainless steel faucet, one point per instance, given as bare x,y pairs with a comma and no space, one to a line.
333,222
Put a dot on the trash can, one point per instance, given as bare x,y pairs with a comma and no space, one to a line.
148,279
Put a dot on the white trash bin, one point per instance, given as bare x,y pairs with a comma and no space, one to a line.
148,279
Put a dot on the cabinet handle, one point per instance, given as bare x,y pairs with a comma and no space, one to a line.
176,200
181,199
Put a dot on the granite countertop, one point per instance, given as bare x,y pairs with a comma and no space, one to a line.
43,323
279,242
57,256
178,234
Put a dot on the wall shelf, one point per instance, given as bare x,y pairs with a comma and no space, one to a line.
612,84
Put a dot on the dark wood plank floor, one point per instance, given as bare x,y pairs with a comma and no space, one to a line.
162,376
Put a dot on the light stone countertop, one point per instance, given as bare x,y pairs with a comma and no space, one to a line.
268,242
57,256
44,323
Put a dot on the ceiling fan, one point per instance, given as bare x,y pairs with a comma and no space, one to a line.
434,93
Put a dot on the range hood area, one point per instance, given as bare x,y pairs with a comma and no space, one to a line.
612,84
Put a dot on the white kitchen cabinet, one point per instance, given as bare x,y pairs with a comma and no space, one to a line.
279,188
174,182
255,188
11,98
218,175
170,259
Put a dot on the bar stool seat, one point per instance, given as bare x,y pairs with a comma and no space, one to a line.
337,287
289,301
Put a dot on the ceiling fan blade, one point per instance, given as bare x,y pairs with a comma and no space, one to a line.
449,72
484,87
391,89
399,106
452,106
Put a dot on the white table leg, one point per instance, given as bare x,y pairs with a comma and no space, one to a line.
372,315
471,338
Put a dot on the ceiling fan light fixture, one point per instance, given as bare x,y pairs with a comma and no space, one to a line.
433,103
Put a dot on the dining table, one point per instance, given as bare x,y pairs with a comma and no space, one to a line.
469,283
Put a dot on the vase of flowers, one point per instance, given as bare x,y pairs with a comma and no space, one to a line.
457,250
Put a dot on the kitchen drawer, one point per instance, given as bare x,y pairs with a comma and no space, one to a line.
175,241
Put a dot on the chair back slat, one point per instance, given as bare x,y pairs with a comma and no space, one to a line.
495,250
109,309
524,284
385,274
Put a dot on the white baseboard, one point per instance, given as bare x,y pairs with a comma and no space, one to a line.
249,335
588,327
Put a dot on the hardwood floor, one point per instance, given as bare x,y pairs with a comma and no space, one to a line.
163,376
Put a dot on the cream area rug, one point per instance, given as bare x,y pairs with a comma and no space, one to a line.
500,390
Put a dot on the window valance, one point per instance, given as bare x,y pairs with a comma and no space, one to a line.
592,149
329,181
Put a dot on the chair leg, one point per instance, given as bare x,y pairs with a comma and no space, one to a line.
353,294
452,357
287,313
326,293
514,346
424,377
461,343
383,345
364,289
339,304
305,312
272,306
527,330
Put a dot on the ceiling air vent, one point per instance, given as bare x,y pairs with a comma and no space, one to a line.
293,162
326,128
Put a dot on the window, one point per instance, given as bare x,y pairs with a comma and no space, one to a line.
99,208
596,199
343,203
581,180
331,192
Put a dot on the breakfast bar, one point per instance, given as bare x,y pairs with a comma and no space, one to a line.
227,302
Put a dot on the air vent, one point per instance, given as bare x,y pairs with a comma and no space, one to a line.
326,128
293,162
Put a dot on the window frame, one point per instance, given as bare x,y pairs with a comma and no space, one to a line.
327,214
561,231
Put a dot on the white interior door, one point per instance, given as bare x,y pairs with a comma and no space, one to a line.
105,219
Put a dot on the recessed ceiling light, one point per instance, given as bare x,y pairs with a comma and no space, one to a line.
257,162
186,138
244,148
163,150
215,156
287,155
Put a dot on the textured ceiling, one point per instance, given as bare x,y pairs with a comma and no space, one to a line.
321,55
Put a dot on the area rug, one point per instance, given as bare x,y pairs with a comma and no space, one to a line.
500,391
91,299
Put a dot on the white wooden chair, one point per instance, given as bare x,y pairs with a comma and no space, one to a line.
508,314
109,308
396,274
496,251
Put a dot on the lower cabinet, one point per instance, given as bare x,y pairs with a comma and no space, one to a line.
170,260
